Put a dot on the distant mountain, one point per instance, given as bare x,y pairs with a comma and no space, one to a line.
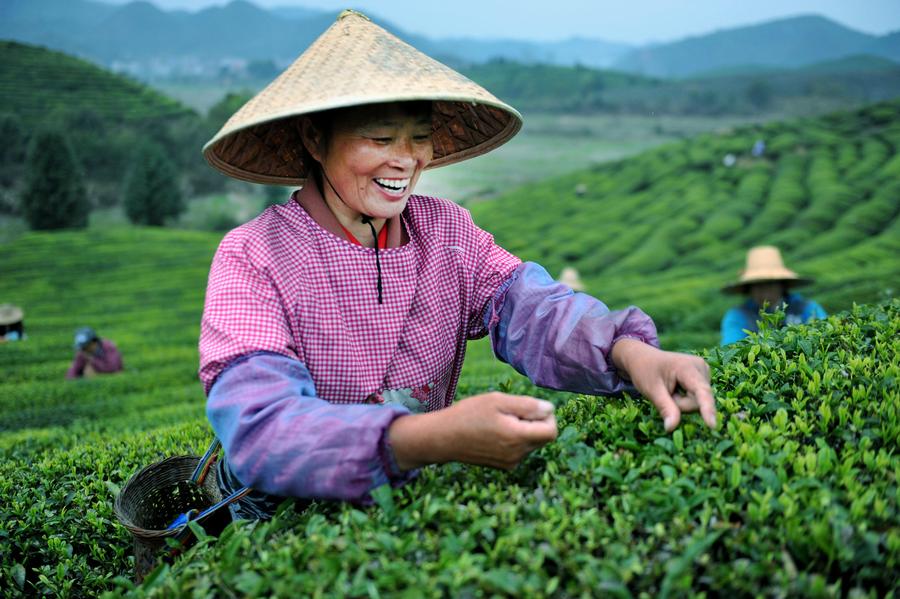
830,85
146,41
859,63
887,46
836,84
792,42
570,52
298,12
154,44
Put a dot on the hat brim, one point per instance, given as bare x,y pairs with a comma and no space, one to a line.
270,150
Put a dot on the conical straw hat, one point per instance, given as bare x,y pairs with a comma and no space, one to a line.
10,314
356,62
764,264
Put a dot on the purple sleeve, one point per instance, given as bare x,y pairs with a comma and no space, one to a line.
559,338
77,367
283,440
112,359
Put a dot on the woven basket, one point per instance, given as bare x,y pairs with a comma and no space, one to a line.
154,497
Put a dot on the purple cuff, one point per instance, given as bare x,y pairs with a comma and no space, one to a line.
283,440
558,338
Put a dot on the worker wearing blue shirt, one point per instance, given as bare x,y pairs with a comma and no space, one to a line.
767,282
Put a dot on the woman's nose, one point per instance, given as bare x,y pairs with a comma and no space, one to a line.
404,154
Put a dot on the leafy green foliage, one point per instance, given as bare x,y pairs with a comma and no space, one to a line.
151,189
54,195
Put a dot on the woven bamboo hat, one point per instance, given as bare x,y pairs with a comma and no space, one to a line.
764,265
10,314
356,62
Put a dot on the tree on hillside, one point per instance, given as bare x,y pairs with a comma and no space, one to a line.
151,189
13,148
12,161
54,196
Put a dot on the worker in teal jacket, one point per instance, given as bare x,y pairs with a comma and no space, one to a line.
767,283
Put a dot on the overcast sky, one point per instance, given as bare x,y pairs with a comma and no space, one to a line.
631,21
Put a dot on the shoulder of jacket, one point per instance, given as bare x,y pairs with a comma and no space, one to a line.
265,235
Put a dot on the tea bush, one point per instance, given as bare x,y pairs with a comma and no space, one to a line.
795,494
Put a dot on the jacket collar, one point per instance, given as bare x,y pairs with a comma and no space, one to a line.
310,199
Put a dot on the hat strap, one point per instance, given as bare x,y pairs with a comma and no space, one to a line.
367,220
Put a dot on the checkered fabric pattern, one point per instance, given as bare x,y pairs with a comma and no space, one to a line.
281,283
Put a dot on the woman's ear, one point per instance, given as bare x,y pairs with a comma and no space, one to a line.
312,138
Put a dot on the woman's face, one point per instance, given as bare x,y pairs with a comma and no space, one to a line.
372,156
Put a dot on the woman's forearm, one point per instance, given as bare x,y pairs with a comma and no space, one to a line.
418,440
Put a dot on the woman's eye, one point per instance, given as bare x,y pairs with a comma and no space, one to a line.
422,138
382,140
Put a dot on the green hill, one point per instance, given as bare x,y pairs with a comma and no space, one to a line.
36,82
104,115
668,228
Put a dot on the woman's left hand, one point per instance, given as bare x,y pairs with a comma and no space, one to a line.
674,382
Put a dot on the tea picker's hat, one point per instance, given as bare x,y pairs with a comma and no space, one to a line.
83,336
356,62
764,265
10,314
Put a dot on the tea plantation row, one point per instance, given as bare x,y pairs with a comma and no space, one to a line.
62,80
671,226
796,494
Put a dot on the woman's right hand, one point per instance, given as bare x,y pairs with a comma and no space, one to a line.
492,429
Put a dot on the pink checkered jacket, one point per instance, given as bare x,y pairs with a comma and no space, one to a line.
306,370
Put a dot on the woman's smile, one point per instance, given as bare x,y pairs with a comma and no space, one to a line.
393,188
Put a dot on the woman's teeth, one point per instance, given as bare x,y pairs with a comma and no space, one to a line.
393,184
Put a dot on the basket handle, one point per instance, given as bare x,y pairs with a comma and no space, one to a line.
206,462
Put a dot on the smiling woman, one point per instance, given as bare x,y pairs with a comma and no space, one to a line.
335,325
368,159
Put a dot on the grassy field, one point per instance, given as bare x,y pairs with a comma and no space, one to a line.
796,494
553,145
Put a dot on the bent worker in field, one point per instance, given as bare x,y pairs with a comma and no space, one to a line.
335,325
93,355
12,323
768,285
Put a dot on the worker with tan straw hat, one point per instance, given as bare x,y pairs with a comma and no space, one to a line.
766,282
12,325
335,325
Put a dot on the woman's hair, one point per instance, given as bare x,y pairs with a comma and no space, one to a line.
323,122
